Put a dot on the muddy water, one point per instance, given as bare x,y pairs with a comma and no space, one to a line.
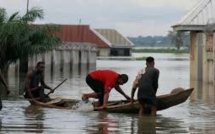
196,115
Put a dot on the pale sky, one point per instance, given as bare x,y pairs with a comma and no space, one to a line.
129,17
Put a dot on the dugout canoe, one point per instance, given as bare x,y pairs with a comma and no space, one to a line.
177,96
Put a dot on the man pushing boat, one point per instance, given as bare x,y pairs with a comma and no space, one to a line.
102,82
147,84
32,81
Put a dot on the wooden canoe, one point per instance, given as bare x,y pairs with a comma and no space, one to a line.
177,96
59,103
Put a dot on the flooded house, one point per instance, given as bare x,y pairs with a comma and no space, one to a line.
108,41
119,44
200,22
82,44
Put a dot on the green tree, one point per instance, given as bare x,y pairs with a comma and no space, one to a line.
20,39
177,38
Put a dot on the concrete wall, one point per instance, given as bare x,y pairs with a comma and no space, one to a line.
103,52
75,56
204,59
201,58
213,57
91,57
208,67
84,57
193,56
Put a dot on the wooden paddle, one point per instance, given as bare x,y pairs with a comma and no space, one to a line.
57,86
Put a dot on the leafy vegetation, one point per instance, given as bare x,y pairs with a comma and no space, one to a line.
19,38
160,51
161,41
141,58
177,38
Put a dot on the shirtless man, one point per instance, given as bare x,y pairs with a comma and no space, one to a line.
32,81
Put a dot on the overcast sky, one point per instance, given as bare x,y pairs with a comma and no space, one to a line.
129,17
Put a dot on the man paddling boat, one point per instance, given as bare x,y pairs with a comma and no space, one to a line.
32,81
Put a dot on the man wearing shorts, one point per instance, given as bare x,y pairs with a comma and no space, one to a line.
102,82
147,84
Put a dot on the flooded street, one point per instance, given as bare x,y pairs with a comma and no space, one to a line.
196,115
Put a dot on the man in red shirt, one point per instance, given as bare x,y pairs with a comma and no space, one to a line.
101,82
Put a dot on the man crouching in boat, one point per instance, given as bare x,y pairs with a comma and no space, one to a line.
147,84
32,81
101,82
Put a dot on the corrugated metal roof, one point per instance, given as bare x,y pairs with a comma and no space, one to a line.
115,38
201,14
80,33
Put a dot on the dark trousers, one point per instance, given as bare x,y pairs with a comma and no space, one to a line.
37,93
97,86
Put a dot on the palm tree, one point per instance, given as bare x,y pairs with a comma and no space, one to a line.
177,38
20,39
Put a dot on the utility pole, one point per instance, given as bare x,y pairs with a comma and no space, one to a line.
79,21
27,6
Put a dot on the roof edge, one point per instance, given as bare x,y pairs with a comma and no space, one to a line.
125,38
180,27
101,37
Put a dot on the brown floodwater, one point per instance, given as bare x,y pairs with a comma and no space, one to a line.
196,115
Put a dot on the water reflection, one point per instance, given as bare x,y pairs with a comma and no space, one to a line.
107,123
146,125
203,95
160,124
202,108
196,115
34,117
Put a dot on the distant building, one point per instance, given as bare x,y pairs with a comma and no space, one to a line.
109,41
200,21
119,45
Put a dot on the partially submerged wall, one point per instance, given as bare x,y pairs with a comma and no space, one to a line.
201,58
69,57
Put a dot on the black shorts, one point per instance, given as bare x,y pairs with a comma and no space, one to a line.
150,101
97,86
